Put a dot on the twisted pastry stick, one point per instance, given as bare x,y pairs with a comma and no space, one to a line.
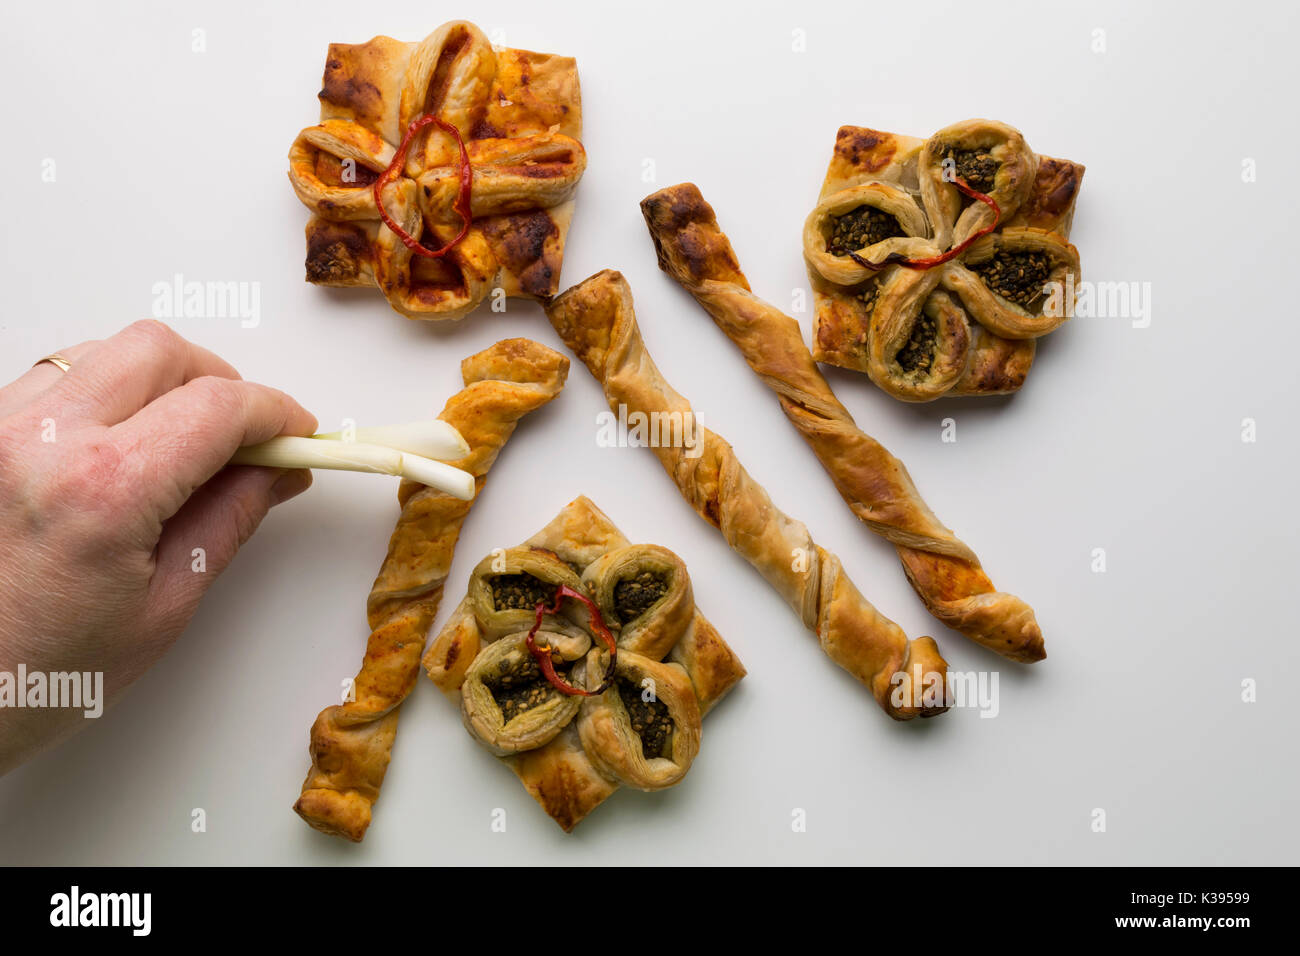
943,570
596,320
351,743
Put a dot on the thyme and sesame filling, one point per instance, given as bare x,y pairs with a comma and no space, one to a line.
976,166
917,355
861,227
635,595
1018,277
520,592
650,720
518,686
868,297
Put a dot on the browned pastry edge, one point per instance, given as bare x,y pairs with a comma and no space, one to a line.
596,320
351,743
520,116
559,775
693,250
997,365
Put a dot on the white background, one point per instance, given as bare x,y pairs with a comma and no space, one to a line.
1128,439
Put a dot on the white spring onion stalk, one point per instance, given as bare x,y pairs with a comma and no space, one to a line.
290,452
430,439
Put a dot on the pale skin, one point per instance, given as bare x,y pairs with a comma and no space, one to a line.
98,526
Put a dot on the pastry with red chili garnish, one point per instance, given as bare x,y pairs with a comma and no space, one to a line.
507,701
582,661
441,170
936,263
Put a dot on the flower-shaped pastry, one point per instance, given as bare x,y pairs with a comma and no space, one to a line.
441,170
912,239
582,661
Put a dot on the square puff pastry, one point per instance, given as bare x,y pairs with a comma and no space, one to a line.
982,344
520,116
582,764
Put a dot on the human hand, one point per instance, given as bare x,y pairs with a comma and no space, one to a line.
111,475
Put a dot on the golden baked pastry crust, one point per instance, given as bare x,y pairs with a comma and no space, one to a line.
589,757
351,742
866,318
597,321
520,116
945,572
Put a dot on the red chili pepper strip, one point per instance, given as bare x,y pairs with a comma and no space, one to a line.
543,656
895,258
461,205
